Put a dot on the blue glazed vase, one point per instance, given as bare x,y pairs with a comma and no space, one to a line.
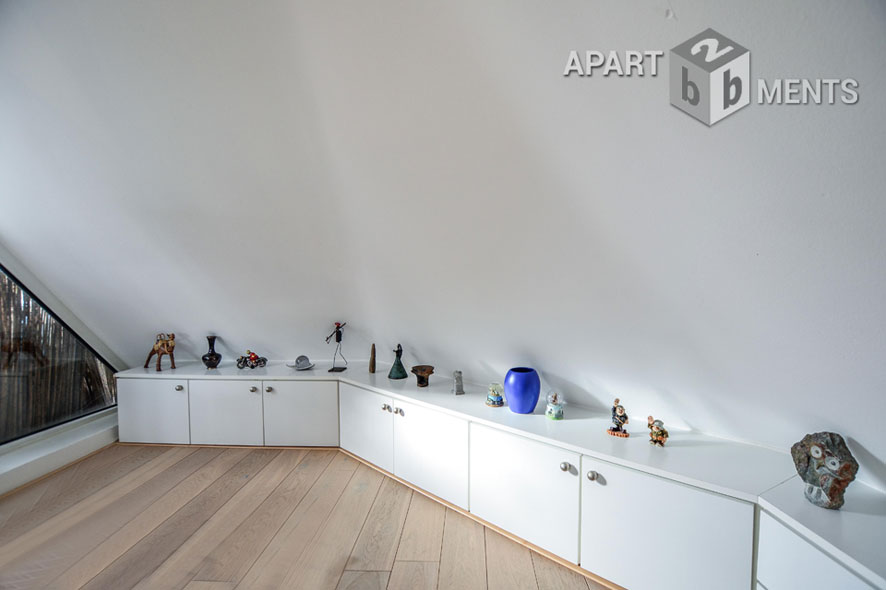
522,387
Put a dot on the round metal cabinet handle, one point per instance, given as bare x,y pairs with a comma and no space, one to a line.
179,387
592,475
398,411
385,407
269,389
253,389
564,466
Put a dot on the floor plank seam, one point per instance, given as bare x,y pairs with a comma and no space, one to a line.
360,532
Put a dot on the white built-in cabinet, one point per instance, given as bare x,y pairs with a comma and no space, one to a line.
431,451
628,526
643,531
420,445
786,561
367,425
526,487
300,413
153,411
226,412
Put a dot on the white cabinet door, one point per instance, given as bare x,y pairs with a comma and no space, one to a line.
153,411
301,413
431,451
528,488
786,561
226,412
366,421
642,531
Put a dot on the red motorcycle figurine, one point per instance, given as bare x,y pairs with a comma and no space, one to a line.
251,360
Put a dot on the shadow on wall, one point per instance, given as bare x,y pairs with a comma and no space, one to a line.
874,467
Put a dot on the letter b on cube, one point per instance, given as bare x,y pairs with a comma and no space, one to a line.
710,76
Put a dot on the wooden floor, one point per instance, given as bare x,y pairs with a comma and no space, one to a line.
218,519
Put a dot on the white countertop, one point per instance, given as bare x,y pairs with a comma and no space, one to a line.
855,534
734,469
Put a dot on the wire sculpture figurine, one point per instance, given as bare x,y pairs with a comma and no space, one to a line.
337,334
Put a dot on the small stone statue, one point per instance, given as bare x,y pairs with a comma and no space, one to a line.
458,385
554,409
658,436
337,333
619,419
398,371
163,344
824,462
495,397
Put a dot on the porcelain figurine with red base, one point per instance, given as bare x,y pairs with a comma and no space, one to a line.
619,419
658,436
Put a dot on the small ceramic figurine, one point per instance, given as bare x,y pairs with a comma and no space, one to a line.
554,409
163,344
458,385
251,360
658,436
398,371
619,419
337,333
372,358
827,466
422,372
495,397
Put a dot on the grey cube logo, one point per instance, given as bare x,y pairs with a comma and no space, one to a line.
710,76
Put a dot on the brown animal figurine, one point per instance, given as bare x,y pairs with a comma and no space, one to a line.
163,344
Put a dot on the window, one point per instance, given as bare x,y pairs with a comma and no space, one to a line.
48,374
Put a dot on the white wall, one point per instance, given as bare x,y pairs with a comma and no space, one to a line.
425,172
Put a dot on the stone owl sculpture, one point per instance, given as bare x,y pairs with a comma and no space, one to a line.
824,462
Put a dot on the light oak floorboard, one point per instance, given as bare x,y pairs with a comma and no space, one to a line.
314,519
187,560
551,576
351,580
277,560
90,506
203,585
151,551
377,543
322,564
414,575
422,536
64,548
508,564
463,556
230,561
150,518
67,489
16,504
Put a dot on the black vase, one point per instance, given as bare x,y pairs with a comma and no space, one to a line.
211,359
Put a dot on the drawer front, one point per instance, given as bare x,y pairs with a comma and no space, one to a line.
642,531
226,412
301,413
431,451
153,411
787,561
517,483
367,425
